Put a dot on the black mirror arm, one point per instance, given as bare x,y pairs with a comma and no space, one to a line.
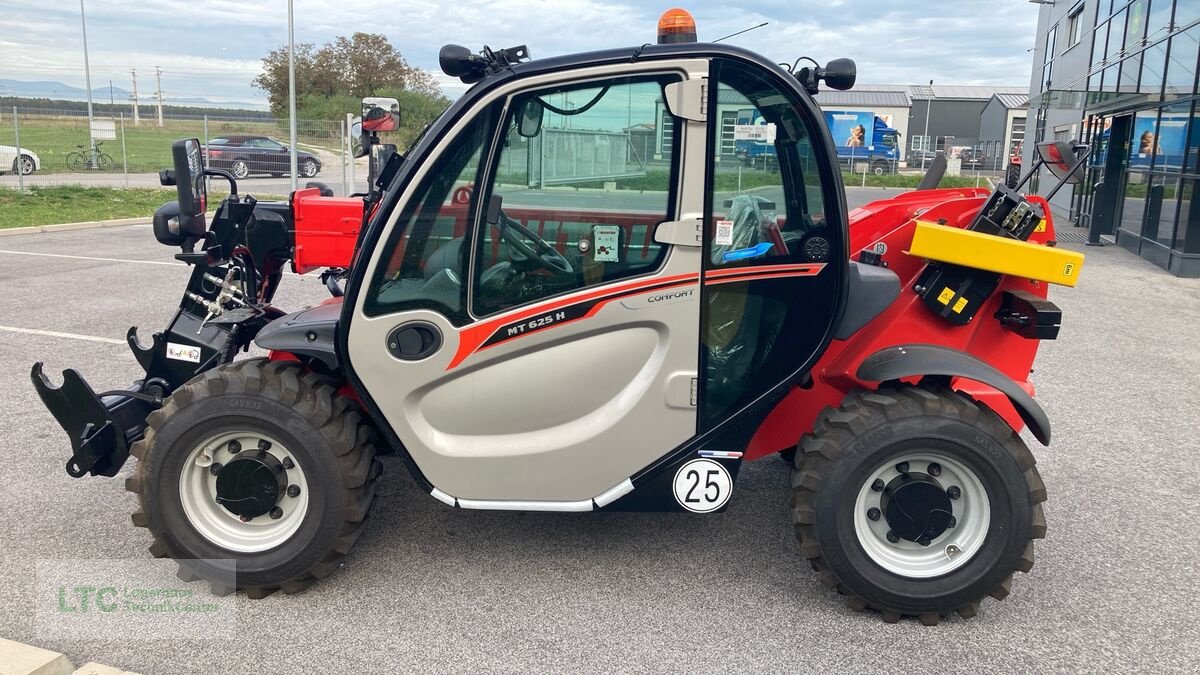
221,173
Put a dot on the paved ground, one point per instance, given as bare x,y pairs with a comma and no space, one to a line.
433,589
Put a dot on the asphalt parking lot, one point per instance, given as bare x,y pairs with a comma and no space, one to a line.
433,589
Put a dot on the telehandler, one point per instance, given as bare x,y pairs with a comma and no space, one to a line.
568,295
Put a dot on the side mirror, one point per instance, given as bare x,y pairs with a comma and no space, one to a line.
362,147
380,114
1063,160
190,187
529,124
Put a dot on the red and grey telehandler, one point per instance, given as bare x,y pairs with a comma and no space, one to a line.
568,295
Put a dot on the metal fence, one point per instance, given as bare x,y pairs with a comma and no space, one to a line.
58,148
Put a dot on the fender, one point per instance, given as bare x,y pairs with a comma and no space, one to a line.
902,361
309,332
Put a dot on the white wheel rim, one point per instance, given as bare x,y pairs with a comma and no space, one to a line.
310,169
198,493
240,170
953,548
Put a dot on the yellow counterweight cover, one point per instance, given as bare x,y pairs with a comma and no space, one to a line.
996,254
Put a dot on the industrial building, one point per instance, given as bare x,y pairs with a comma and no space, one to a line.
1120,76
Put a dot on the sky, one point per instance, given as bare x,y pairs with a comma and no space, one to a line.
212,48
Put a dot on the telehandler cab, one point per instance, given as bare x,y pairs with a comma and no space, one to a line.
569,296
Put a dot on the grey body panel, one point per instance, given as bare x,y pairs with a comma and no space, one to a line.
309,332
563,415
902,361
871,290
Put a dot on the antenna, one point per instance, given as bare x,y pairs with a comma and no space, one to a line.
741,31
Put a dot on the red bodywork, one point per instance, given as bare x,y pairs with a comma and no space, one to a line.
327,229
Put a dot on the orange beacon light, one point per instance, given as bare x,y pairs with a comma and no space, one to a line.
676,26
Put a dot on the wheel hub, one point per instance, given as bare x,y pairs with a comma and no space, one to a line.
922,513
251,483
916,507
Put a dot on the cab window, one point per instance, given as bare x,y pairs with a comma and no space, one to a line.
768,210
424,261
584,174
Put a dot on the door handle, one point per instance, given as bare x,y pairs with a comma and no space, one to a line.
414,340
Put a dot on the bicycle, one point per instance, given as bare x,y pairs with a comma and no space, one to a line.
89,158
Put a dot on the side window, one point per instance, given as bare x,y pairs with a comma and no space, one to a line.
424,260
585,173
761,216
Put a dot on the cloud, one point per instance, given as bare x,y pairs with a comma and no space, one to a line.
213,48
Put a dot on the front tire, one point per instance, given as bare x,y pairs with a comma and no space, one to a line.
290,438
23,165
308,168
916,501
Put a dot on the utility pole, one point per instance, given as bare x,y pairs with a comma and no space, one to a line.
110,93
87,79
136,120
292,164
928,105
158,93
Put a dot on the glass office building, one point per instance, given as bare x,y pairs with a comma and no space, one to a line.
1121,76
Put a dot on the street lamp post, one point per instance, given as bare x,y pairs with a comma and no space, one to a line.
87,78
292,164
928,105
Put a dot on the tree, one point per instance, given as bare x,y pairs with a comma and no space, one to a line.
365,64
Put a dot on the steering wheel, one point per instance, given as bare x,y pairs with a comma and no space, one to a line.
542,254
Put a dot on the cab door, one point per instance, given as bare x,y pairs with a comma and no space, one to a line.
775,250
523,330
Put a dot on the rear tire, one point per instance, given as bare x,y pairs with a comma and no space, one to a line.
329,451
240,169
851,462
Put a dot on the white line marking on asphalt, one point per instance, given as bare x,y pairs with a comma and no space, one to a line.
56,334
87,257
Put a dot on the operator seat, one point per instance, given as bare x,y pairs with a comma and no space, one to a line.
734,334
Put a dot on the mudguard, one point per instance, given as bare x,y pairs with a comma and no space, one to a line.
915,360
309,332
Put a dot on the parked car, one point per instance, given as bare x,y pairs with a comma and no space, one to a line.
973,158
244,155
915,157
25,161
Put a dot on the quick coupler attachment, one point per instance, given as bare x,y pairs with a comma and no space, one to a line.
102,427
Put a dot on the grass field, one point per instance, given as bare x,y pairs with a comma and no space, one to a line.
72,204
147,147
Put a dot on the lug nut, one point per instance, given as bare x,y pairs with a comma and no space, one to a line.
952,522
234,447
877,485
902,467
288,463
953,492
264,444
294,491
935,469
245,519
276,513
924,541
893,537
214,469
873,513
